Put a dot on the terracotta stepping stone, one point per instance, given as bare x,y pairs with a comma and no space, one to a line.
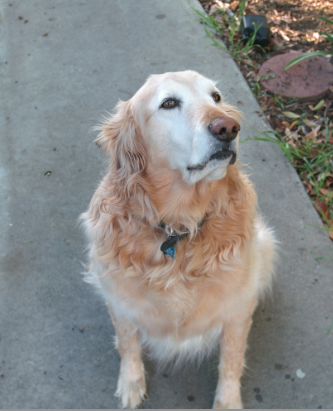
308,80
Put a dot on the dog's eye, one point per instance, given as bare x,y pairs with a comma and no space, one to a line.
169,103
216,97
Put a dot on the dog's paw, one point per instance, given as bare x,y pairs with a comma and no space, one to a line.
232,405
131,393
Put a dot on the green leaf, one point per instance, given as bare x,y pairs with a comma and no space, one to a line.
289,114
328,36
319,105
306,56
326,19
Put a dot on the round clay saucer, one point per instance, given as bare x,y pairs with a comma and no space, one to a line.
308,80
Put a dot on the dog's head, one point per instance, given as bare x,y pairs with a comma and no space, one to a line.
175,119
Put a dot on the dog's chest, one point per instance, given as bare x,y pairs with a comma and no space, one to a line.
185,296
182,310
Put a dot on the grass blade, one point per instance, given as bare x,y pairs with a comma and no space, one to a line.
326,19
321,258
305,56
215,43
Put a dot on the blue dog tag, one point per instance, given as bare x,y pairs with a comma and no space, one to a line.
170,251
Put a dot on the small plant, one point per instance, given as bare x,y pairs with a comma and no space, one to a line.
238,49
279,99
255,87
313,53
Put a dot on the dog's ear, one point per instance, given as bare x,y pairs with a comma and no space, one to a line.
120,138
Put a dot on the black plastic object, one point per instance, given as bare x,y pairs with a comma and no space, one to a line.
248,25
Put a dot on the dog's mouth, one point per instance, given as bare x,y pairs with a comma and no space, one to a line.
218,155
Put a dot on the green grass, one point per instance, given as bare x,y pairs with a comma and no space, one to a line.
281,101
321,258
237,48
312,160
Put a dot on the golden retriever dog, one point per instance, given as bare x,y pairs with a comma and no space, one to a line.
176,246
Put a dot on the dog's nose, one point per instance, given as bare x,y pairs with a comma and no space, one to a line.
224,128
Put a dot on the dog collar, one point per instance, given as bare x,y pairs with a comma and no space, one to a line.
168,247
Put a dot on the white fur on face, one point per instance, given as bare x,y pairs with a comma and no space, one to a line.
180,135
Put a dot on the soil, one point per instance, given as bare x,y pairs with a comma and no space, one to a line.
303,14
294,24
299,17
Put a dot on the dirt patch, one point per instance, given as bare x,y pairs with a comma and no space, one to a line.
296,22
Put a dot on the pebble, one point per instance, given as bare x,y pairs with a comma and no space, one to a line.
300,373
259,398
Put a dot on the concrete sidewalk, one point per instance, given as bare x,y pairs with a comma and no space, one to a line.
62,64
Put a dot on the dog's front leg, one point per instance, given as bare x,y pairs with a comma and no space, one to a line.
131,388
232,350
